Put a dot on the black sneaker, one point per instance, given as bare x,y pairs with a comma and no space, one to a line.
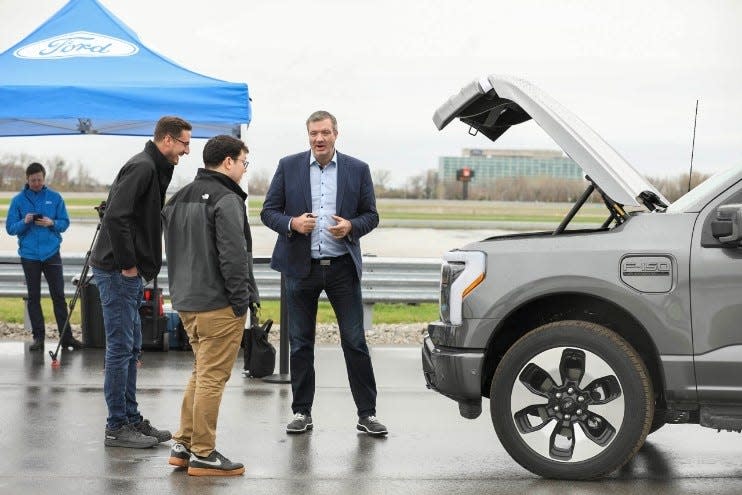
129,437
38,345
179,455
300,424
370,425
145,428
214,464
70,341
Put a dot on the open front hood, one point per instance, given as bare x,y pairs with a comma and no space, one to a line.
492,104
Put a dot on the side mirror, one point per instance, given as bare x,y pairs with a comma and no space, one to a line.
727,228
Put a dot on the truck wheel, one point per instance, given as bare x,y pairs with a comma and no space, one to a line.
571,400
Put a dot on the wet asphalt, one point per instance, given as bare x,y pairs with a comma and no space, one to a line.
52,423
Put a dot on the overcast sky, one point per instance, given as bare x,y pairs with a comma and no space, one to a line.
632,70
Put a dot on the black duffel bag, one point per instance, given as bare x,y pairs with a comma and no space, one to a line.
260,355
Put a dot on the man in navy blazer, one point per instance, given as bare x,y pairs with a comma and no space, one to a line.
321,202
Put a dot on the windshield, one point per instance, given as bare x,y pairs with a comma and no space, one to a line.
702,189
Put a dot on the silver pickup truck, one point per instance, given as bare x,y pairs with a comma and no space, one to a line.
587,340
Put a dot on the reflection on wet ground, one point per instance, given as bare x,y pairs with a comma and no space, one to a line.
52,420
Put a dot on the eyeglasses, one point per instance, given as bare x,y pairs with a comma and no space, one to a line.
245,163
184,143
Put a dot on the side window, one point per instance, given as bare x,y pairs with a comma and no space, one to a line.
733,195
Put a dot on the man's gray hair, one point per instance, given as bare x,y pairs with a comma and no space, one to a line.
322,115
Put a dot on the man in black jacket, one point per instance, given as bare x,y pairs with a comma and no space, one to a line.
129,249
209,252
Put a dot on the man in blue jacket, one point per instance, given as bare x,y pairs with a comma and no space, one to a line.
38,216
321,202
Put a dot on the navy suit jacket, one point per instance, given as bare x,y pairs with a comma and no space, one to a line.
290,195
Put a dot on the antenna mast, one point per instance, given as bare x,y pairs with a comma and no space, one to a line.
693,146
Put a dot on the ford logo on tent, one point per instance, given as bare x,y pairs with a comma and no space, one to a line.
77,44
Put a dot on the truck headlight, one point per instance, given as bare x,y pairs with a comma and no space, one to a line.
461,273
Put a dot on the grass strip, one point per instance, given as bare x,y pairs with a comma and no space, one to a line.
11,311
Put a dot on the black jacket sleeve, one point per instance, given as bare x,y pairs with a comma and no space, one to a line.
120,212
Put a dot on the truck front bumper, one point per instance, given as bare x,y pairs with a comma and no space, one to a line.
455,373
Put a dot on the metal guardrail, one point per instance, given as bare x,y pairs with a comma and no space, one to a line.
403,280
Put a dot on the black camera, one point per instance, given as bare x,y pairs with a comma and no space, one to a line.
101,209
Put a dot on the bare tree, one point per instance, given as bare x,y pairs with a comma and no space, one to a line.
381,178
431,184
415,186
58,173
258,182
12,177
550,189
83,180
539,188
674,187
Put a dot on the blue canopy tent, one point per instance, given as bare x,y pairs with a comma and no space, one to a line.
84,71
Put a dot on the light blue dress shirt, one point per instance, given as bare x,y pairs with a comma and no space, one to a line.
324,186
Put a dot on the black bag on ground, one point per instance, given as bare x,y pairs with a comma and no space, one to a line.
181,336
260,355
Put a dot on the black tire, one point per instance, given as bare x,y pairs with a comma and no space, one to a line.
593,404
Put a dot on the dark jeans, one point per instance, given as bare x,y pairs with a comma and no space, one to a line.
52,270
340,283
120,298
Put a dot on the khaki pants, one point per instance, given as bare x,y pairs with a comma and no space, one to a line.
215,337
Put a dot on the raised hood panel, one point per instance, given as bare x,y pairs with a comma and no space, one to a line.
493,104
